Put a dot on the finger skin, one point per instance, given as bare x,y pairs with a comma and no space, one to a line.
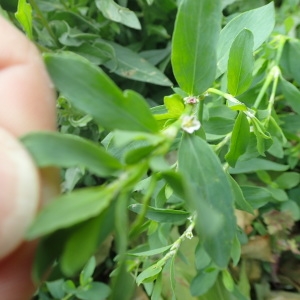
27,104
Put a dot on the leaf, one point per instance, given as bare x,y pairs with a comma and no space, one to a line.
227,280
263,137
211,197
117,13
92,233
151,252
256,196
239,139
132,66
161,215
203,281
194,44
240,63
259,21
149,274
291,94
70,209
240,201
293,58
97,95
96,291
123,285
88,271
202,258
256,164
287,180
236,251
66,150
24,16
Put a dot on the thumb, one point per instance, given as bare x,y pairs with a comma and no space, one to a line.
19,193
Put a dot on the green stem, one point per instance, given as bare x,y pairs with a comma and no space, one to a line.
225,95
263,89
200,110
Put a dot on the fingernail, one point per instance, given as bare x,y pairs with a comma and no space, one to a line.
19,192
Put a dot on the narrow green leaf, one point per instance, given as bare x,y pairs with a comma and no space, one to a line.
211,197
131,65
293,58
291,94
194,44
236,251
91,232
256,196
24,16
161,215
240,63
151,252
239,139
66,150
260,21
88,271
97,95
150,273
202,258
256,164
263,137
240,201
95,291
227,280
117,13
70,209
203,281
287,180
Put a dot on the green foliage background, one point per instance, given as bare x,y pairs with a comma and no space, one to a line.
171,114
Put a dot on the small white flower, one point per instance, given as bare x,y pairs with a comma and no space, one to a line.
190,124
189,235
190,100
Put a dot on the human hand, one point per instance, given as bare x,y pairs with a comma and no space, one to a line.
27,104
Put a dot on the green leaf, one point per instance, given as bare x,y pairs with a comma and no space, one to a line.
131,65
203,281
194,44
202,258
96,291
66,150
256,164
161,215
88,271
211,197
122,286
256,196
92,233
151,252
287,180
117,13
236,251
24,16
227,280
293,58
56,288
291,94
240,63
150,273
70,209
240,201
239,139
259,21
103,100
263,137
